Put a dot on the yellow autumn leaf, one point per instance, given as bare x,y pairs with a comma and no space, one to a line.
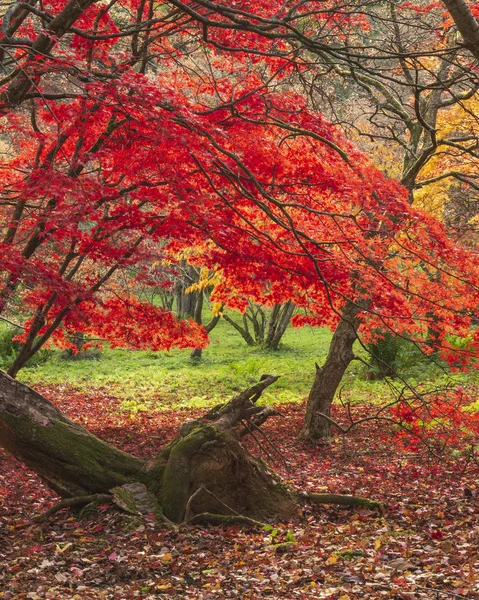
458,121
216,308
207,279
332,560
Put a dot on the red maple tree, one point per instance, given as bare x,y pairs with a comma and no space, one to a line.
137,131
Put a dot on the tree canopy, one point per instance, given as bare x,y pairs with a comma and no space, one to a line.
140,132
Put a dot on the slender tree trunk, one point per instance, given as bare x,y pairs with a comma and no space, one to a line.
268,330
466,23
328,377
278,323
258,319
23,356
197,352
243,331
186,303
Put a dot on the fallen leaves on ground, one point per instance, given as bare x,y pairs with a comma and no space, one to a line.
424,546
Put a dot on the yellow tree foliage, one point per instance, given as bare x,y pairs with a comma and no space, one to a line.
455,161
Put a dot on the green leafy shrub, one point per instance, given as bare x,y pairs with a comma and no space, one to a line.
8,348
41,357
383,357
392,355
88,354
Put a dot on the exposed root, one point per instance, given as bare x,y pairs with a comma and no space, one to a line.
69,502
341,500
215,519
260,445
252,427
203,488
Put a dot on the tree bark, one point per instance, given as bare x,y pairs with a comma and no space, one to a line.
466,23
328,377
278,323
67,457
186,304
268,329
41,47
243,331
196,353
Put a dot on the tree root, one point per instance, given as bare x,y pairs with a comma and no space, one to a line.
68,502
218,519
203,488
214,519
221,519
338,499
341,500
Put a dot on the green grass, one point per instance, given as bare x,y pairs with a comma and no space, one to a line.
143,379
163,380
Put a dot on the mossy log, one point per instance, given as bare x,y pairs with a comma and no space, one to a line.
207,456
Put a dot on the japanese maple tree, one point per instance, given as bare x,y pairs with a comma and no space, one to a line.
137,129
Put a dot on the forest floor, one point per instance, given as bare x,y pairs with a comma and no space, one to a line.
424,545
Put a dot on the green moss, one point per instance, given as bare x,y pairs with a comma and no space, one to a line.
123,497
135,498
66,455
175,485
351,553
130,523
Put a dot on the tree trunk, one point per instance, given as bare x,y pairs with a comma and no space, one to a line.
268,329
257,318
243,331
466,23
186,303
196,353
205,469
328,377
68,458
278,323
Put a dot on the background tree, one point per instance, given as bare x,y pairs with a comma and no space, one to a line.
263,326
399,108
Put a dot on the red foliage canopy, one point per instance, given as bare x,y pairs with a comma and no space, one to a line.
140,132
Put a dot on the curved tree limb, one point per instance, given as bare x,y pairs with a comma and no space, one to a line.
466,23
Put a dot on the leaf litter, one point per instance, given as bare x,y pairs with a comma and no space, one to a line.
424,546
